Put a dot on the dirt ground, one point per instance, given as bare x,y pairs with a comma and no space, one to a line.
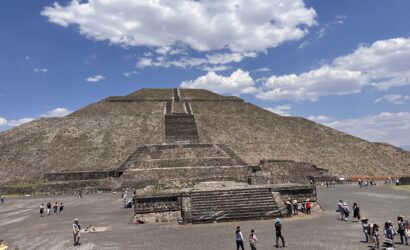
23,228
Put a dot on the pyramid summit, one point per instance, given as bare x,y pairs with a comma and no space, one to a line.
194,130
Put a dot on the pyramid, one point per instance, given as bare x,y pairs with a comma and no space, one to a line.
191,129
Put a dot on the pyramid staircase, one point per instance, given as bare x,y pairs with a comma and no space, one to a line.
229,205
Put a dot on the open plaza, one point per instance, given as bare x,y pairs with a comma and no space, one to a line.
23,228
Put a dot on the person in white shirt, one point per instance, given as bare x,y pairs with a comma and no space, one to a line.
76,232
253,241
239,238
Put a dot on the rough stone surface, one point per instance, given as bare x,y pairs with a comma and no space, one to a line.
103,135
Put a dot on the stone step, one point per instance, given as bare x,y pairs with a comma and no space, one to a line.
260,200
235,210
241,197
230,192
184,162
235,216
235,207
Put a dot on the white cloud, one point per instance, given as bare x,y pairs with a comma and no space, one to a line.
202,25
383,64
239,82
393,128
310,85
320,118
13,123
395,99
3,121
303,45
27,57
216,68
57,112
132,72
95,78
280,110
40,70
261,70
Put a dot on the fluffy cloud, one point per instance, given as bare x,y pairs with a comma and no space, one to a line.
3,121
13,123
395,99
57,112
310,85
95,78
40,70
280,110
383,64
393,128
239,82
249,25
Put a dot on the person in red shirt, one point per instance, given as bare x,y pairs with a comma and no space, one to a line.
308,206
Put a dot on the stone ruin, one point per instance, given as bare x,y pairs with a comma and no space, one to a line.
193,156
182,158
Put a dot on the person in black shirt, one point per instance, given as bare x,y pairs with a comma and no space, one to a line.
278,228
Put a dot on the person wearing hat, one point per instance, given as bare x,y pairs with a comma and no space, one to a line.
402,229
76,232
389,231
366,228
278,229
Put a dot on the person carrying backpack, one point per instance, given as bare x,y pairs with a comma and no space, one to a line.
253,241
389,231
48,208
356,212
239,238
345,211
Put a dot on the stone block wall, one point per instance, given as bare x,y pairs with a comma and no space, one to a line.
80,175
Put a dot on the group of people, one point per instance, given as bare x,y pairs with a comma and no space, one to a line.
330,183
390,180
364,183
372,232
253,240
56,208
293,208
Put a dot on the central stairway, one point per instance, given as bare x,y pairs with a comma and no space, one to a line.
180,127
237,204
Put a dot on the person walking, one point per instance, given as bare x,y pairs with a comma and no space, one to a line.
376,236
289,207
2,199
366,228
48,208
278,229
42,210
403,227
389,231
61,208
253,241
239,238
346,211
76,232
340,209
356,212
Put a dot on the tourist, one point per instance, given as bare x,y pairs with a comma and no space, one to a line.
61,208
340,209
403,227
289,207
80,193
55,207
327,183
356,212
48,208
366,228
76,232
295,207
389,231
2,199
239,238
346,211
303,207
376,236
42,210
278,229
308,206
334,183
253,241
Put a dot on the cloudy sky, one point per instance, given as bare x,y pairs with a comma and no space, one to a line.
345,64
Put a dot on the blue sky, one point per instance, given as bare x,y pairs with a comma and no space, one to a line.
345,64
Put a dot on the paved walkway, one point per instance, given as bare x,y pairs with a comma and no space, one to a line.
21,225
